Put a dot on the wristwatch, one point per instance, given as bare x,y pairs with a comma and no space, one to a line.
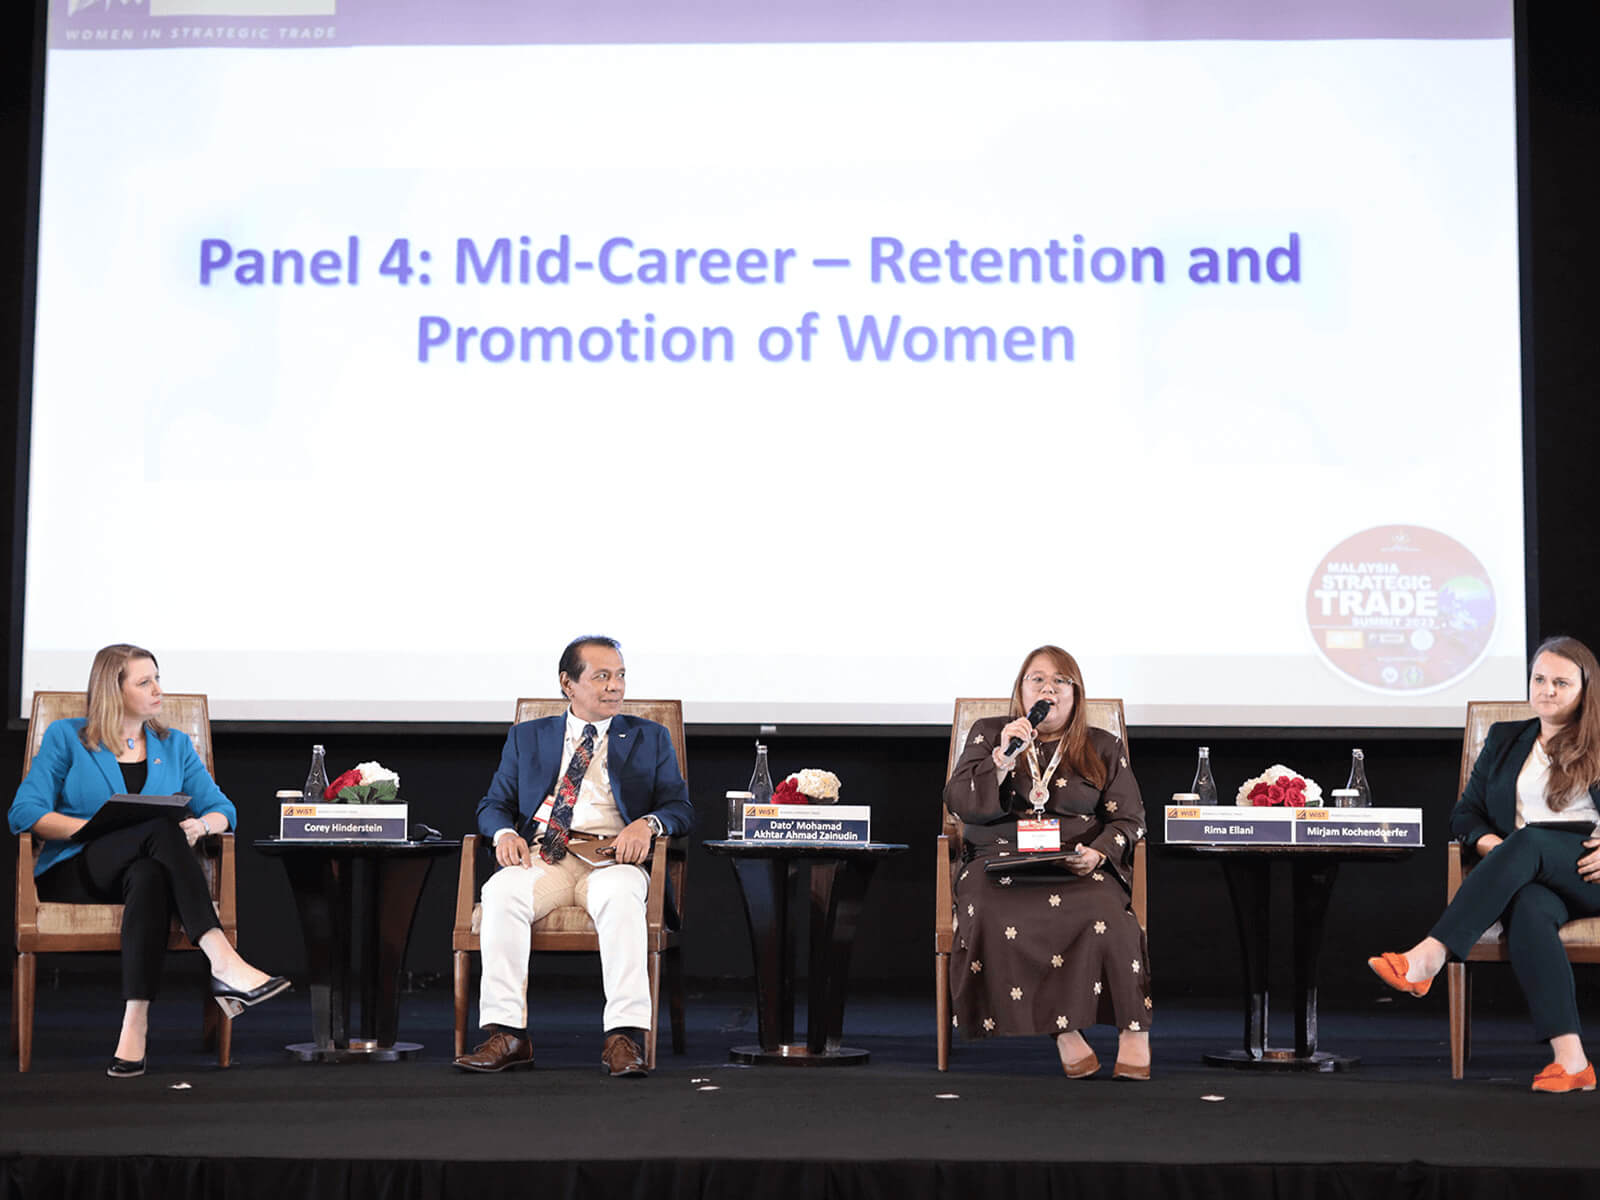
656,827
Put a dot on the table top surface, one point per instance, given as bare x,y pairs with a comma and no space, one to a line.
355,846
765,849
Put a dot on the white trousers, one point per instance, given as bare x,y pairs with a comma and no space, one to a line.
515,897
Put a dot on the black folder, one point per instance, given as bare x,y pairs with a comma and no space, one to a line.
1029,862
1566,826
121,811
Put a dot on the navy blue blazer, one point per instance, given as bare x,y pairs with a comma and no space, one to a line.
1489,803
639,758
67,777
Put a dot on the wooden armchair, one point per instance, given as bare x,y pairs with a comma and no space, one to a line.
45,927
1581,937
1102,714
569,929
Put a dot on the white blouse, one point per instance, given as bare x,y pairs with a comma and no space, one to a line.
1533,809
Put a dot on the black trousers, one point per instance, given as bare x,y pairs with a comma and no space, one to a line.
150,870
1531,882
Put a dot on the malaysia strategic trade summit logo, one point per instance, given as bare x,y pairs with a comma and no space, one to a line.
1401,608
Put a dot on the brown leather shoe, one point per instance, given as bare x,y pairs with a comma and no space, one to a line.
502,1052
622,1058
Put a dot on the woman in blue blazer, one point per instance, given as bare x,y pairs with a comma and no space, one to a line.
149,868
1531,778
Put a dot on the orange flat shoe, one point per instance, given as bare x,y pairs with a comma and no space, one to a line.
1083,1068
1392,968
1128,1071
1555,1078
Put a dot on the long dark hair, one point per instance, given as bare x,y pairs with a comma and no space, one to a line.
1574,749
1079,755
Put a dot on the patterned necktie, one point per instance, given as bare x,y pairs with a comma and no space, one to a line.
554,847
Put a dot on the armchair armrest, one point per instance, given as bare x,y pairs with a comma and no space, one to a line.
666,859
466,886
227,887
27,893
1455,871
943,894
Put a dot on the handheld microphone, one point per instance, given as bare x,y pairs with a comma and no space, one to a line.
1039,711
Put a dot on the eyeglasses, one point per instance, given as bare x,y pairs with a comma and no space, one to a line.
1038,681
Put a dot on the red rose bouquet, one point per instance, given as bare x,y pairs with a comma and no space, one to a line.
1279,786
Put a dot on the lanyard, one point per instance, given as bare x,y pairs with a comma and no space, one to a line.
1040,793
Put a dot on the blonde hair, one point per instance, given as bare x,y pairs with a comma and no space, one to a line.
104,696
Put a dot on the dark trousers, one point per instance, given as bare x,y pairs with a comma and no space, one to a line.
151,871
1531,882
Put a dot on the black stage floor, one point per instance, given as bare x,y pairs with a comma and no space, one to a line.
1003,1120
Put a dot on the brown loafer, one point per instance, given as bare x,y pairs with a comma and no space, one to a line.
622,1058
502,1052
1128,1071
1083,1068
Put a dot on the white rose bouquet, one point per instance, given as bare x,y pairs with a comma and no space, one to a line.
811,786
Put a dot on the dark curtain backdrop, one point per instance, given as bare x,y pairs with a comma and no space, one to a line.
1192,942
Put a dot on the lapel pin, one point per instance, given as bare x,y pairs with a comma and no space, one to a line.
156,763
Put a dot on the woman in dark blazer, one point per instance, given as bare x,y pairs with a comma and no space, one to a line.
123,748
1529,812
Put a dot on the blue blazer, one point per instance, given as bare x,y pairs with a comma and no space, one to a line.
1489,803
68,778
639,758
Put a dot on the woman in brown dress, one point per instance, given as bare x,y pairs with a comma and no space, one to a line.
1050,953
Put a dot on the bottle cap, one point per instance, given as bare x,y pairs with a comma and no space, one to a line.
1186,797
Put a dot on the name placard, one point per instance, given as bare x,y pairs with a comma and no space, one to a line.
832,823
343,822
1234,825
1358,826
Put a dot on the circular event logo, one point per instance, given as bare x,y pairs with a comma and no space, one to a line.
1400,608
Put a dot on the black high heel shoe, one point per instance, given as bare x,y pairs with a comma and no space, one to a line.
125,1068
233,1001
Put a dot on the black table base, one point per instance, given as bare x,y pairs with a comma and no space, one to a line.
353,1052
838,881
798,1054
1280,1060
1313,872
322,876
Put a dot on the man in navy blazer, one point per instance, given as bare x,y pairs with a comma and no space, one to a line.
631,791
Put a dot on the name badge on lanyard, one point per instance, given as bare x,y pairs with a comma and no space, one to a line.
1038,833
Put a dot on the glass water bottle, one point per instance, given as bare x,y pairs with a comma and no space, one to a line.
316,778
1204,785
1358,780
761,778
